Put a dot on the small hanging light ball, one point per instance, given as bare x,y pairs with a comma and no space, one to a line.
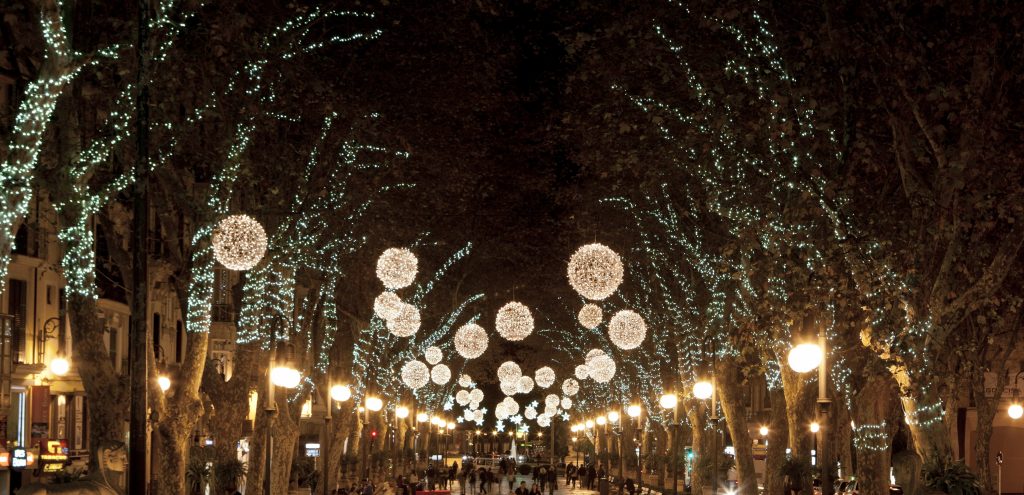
462,397
551,400
544,421
595,271
602,368
570,387
590,316
478,415
433,354
440,374
509,371
387,305
582,372
566,403
545,377
476,395
407,323
470,340
415,374
627,329
509,387
530,413
465,381
514,321
396,268
511,406
525,384
239,242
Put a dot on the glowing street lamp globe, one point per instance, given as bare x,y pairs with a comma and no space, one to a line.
1015,411
341,393
374,403
633,410
601,421
402,412
285,376
613,416
422,417
703,389
805,357
815,427
669,401
763,431
589,424
60,366
164,383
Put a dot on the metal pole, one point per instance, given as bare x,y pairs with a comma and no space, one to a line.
271,409
552,441
139,341
327,444
714,447
675,450
824,403
639,453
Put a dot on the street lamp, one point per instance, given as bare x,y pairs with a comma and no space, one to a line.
164,383
802,359
341,393
59,366
1015,411
703,389
634,412
281,374
763,431
401,412
805,357
338,393
671,401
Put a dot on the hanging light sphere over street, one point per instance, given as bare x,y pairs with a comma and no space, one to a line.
462,397
478,415
566,403
552,400
530,413
525,384
590,316
440,374
544,377
415,374
510,387
387,305
570,387
511,406
470,340
627,329
633,410
544,421
239,242
514,321
341,393
669,401
1015,411
407,323
285,376
582,372
396,268
476,395
595,271
433,355
509,371
60,366
602,367
703,389
465,380
805,357
374,403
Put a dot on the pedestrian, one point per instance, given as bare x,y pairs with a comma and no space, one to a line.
522,490
535,490
483,481
552,480
543,475
591,477
471,479
582,473
511,479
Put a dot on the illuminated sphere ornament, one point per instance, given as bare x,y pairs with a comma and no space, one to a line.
525,384
530,413
239,242
590,316
509,371
501,411
514,321
602,369
570,387
703,389
550,410
433,355
1015,411
582,372
544,377
476,395
462,397
441,374
509,387
407,323
387,305
511,405
566,403
478,415
415,374
552,400
595,271
396,268
544,421
465,381
470,340
805,357
627,329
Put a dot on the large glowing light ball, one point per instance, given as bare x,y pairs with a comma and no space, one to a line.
440,374
550,410
552,400
465,380
478,415
462,397
476,395
669,401
627,329
602,367
1015,411
341,393
570,387
703,389
590,316
415,374
510,387
544,420
544,377
433,355
396,268
239,242
595,271
407,323
514,321
509,371
525,384
501,411
805,357
511,405
387,305
285,376
582,372
470,340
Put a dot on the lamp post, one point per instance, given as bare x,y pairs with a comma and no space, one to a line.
401,412
603,423
337,393
279,374
374,404
420,419
671,401
704,390
613,417
634,411
802,359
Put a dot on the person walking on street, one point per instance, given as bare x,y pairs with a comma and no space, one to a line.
552,480
591,477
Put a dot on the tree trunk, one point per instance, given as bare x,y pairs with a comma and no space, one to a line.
778,435
843,438
226,418
923,406
286,436
799,392
108,393
730,391
986,411
695,412
871,408
183,411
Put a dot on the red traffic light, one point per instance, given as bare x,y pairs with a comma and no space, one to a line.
373,433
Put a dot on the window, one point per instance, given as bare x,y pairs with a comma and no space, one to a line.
17,306
21,240
179,343
156,337
112,345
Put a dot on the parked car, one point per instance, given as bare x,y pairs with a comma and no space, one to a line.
844,487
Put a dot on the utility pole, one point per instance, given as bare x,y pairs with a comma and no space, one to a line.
139,336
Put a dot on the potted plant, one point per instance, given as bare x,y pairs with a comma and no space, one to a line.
946,476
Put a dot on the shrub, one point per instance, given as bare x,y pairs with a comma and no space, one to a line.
952,477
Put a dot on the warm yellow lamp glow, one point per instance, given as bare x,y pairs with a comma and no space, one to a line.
815,427
59,366
589,424
601,420
1015,411
341,393
669,401
422,417
763,431
164,382
402,412
805,357
613,416
374,403
703,389
633,410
